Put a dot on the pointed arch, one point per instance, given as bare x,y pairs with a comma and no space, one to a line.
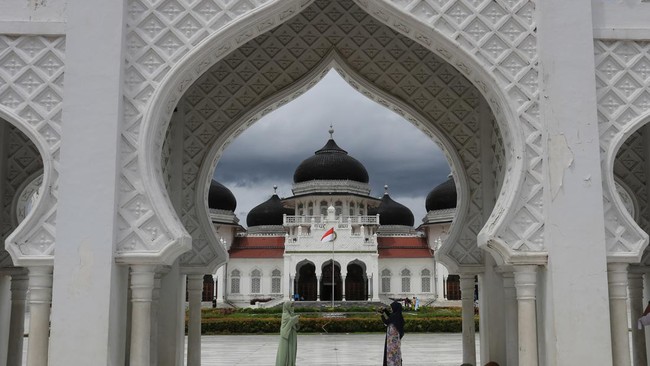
626,232
213,48
18,242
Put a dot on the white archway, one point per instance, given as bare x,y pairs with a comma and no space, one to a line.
215,47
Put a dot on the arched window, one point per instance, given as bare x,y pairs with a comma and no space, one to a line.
301,210
426,280
310,207
406,280
276,280
362,210
338,208
256,281
385,280
323,208
234,281
351,208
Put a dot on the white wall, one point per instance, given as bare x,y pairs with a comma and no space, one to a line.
245,267
33,10
415,265
622,17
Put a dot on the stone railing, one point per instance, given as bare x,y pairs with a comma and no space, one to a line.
342,221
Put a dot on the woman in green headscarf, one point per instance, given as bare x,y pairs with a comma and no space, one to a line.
288,346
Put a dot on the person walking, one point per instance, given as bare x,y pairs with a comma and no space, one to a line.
394,332
288,347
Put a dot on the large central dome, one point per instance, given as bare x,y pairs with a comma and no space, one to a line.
331,163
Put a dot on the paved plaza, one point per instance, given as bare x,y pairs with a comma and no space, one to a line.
332,350
430,349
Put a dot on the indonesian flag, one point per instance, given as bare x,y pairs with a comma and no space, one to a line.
329,235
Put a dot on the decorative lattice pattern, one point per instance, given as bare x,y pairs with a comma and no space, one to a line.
623,90
31,87
501,34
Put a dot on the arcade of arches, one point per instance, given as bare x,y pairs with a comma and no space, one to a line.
104,173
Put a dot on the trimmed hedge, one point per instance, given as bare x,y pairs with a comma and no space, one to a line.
329,325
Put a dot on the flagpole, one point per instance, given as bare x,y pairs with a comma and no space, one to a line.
332,274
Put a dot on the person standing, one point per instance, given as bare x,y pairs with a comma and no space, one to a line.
394,332
288,347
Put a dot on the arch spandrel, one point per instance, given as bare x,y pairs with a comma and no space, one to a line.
31,95
623,92
504,45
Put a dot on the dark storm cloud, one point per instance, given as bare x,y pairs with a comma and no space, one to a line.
393,151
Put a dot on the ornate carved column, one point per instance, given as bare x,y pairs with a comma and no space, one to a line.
40,300
142,283
617,281
19,283
635,290
526,285
469,328
194,290
343,288
510,294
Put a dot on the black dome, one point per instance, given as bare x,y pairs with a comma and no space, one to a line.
268,213
330,163
220,197
442,197
394,213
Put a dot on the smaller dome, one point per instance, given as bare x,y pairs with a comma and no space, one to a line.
269,212
394,213
442,197
221,198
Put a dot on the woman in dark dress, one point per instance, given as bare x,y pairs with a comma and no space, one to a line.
394,333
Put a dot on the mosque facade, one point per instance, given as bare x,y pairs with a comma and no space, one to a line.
113,115
331,240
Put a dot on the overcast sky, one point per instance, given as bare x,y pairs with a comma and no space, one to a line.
393,151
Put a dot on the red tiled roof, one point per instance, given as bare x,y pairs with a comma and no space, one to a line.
257,247
403,247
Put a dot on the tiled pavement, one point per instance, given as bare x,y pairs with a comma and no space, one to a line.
332,350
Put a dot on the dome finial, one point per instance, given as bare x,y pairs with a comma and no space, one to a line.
275,189
331,131
385,189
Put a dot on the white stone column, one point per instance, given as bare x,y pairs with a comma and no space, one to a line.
142,283
318,284
617,280
469,328
375,285
90,288
171,318
5,302
343,288
19,283
526,285
291,291
635,290
575,277
40,299
155,306
194,290
510,296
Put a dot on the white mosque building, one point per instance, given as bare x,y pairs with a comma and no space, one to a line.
375,253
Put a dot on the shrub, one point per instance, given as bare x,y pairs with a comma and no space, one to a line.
329,325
